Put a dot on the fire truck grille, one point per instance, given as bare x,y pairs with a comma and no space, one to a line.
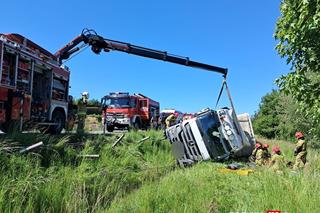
116,115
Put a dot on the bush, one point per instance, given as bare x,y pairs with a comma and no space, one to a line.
279,117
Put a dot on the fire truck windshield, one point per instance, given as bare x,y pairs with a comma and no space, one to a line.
118,102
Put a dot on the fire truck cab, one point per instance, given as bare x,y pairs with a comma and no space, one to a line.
33,86
121,110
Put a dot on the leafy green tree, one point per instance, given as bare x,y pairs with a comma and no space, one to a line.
291,119
278,117
94,103
298,33
91,102
266,120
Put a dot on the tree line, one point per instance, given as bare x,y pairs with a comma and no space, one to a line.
296,106
279,116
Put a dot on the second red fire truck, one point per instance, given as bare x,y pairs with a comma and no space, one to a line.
121,110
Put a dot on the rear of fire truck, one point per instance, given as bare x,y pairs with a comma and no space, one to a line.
33,87
212,135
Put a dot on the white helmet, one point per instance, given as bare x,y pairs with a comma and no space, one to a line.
86,94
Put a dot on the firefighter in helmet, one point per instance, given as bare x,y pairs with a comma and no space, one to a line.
300,152
277,162
82,111
171,119
253,156
260,156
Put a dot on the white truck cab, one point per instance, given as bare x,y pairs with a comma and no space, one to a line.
211,135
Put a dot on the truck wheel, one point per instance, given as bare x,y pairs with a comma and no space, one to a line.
4,127
59,118
110,128
136,125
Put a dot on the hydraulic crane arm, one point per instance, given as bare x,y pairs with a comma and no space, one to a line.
98,43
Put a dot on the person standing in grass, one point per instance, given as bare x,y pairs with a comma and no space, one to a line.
82,112
300,152
277,162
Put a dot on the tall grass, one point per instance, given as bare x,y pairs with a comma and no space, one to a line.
203,189
56,179
141,177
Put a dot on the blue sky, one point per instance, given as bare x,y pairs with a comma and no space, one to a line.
232,34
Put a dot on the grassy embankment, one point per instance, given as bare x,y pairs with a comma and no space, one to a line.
56,179
141,178
203,189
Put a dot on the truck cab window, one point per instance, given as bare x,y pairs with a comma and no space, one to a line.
133,102
209,127
143,105
117,102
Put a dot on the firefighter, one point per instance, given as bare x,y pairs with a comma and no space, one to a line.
253,156
82,112
266,154
300,152
72,112
262,155
171,119
162,121
277,162
154,122
259,156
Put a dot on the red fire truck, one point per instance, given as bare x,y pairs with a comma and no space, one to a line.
121,110
34,85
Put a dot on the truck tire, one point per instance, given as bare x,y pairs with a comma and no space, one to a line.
4,127
136,125
59,118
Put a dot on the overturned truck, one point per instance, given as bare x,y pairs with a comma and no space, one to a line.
212,135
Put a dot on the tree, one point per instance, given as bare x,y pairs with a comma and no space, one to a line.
291,119
298,33
266,120
278,117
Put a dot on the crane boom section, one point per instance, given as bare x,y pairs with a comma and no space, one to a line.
99,43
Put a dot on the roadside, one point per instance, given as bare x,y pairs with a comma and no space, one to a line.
89,173
203,189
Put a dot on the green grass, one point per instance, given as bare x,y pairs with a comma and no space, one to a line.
56,180
142,177
203,189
